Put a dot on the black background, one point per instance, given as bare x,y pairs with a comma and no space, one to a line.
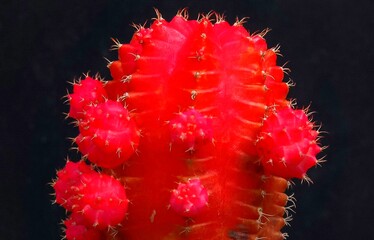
329,46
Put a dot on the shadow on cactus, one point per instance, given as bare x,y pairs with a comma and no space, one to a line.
193,138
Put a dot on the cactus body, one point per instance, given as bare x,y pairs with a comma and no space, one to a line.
196,126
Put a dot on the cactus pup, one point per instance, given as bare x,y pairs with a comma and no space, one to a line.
192,138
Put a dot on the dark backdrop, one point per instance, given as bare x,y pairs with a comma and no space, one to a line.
329,46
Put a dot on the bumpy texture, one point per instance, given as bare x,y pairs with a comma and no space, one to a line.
287,143
190,198
97,201
195,125
108,135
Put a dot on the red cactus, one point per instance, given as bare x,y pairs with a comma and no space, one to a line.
191,128
210,103
287,143
190,198
85,93
68,185
108,135
96,200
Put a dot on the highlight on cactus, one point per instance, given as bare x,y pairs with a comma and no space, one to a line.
192,138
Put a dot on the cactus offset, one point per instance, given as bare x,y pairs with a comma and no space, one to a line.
98,198
195,125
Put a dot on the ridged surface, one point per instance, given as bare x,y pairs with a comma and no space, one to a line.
220,71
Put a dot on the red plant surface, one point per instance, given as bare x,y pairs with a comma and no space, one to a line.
193,138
